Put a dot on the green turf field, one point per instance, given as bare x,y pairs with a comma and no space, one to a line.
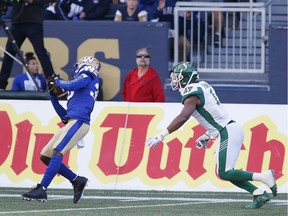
133,203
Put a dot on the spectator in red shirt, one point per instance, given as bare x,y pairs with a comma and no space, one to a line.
143,83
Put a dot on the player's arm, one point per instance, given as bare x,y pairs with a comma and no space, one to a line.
80,82
189,106
60,110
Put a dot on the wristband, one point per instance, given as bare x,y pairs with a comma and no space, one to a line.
164,133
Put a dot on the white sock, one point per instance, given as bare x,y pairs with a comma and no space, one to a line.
257,192
265,177
257,177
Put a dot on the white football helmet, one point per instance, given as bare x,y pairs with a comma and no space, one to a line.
87,63
183,73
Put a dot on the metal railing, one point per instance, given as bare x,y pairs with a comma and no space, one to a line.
243,38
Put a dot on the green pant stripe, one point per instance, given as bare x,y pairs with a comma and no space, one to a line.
223,150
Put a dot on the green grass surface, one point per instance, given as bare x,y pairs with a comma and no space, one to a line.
126,203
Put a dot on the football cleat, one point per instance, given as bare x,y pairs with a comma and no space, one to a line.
259,200
79,185
36,194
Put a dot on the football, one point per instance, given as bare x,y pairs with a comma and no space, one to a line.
59,92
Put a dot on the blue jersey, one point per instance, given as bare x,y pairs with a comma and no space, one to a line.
82,93
24,82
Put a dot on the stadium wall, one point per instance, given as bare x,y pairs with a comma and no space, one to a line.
115,44
115,156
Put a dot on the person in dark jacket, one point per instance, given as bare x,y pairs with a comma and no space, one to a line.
143,84
27,22
77,10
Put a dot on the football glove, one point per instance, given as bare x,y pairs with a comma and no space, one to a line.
202,141
51,88
51,83
153,141
53,78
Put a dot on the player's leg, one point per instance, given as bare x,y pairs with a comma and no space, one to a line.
78,182
231,139
47,153
39,193
228,158
67,139
70,135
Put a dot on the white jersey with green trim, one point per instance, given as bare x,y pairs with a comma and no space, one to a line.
210,113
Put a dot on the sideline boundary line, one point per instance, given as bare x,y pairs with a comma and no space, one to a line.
188,201
102,208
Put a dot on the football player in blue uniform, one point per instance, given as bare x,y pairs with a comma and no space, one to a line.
82,90
201,101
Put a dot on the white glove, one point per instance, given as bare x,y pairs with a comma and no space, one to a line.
202,141
153,141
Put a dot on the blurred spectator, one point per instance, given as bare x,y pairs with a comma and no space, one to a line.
118,1
163,11
131,11
236,22
77,10
217,18
143,84
218,28
7,13
147,5
24,82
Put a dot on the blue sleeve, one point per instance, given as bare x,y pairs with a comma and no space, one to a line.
72,85
15,85
59,108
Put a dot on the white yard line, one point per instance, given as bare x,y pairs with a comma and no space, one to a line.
192,201
101,208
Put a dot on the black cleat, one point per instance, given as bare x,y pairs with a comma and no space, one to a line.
79,185
36,194
259,201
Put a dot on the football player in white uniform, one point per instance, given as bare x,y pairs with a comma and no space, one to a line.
201,102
